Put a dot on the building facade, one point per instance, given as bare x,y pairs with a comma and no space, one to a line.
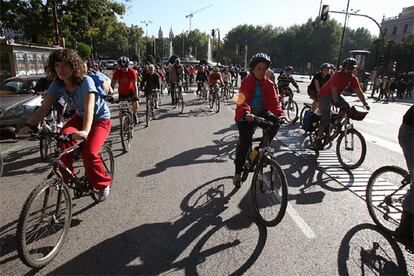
399,27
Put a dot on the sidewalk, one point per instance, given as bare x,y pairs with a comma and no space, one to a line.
396,100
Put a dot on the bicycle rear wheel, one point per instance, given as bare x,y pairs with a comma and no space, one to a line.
147,112
44,223
126,131
269,192
292,111
108,162
181,103
384,196
47,147
351,149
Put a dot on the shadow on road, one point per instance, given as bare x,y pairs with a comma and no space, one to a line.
365,250
220,246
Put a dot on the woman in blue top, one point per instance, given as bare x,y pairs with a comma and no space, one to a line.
92,119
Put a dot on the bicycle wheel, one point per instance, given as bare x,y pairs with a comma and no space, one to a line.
126,134
1,166
232,92
269,192
181,103
292,111
44,223
351,149
46,147
302,114
217,103
147,112
384,196
211,99
108,161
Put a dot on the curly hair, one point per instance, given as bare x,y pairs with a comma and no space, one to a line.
73,59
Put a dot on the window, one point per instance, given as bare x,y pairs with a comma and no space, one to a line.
394,31
405,28
385,31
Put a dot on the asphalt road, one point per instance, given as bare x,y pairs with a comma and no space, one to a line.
173,209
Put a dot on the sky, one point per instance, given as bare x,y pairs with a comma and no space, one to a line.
227,14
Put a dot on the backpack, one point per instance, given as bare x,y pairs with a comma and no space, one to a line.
99,80
310,121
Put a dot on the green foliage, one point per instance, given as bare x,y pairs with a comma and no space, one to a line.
84,49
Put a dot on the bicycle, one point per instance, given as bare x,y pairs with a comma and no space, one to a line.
214,98
269,188
291,107
179,99
46,215
228,91
385,193
351,143
150,106
203,93
306,107
126,124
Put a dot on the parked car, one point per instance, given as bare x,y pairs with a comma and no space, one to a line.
16,103
110,64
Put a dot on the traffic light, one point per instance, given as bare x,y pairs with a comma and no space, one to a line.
394,66
324,12
213,32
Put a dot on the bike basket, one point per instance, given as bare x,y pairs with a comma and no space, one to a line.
123,105
357,114
310,121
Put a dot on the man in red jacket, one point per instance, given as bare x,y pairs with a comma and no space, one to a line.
258,97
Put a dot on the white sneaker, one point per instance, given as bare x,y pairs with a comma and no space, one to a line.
103,194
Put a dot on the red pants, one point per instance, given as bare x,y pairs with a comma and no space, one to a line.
92,163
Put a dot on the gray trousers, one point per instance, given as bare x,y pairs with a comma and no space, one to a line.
405,138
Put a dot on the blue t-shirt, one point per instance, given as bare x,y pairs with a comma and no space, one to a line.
77,99
257,101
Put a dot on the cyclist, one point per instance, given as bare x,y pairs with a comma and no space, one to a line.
271,75
201,78
127,79
151,82
226,75
92,119
258,97
319,79
214,78
331,93
404,232
176,74
285,78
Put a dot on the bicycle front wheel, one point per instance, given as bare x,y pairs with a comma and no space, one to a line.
269,192
351,149
216,103
147,112
292,111
384,196
126,131
44,223
181,103
46,147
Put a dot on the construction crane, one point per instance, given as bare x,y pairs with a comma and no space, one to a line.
194,12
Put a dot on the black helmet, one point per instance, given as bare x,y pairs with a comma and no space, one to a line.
325,65
349,62
123,61
288,68
260,57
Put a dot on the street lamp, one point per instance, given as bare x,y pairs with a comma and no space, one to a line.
213,33
146,23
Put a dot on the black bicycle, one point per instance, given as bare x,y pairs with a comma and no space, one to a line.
151,103
45,219
214,98
269,184
289,105
351,147
385,194
179,98
127,124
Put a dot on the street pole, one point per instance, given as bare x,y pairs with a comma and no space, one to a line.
55,21
343,36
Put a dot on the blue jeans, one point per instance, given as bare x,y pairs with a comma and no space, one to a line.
405,138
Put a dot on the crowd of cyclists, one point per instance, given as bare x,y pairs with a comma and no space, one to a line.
82,86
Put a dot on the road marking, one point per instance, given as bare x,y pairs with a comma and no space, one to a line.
300,222
382,142
369,121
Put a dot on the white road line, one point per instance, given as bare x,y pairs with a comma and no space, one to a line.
369,121
300,222
382,143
